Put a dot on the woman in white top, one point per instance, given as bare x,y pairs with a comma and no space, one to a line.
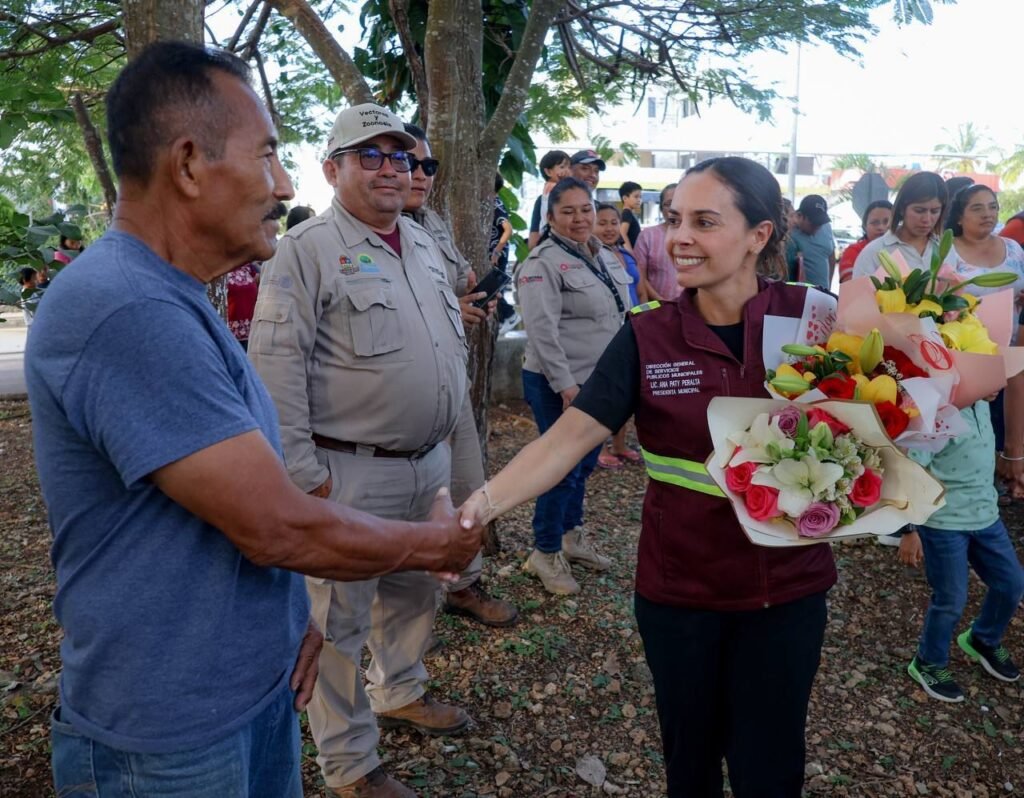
973,214
917,221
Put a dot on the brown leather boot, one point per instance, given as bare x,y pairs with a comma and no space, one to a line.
474,602
375,784
427,716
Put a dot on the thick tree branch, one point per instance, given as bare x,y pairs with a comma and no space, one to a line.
341,66
249,51
400,16
53,42
246,17
517,86
94,147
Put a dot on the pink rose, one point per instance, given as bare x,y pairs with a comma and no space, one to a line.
817,520
737,478
867,489
816,415
788,418
762,502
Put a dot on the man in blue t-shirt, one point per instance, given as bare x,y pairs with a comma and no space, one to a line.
177,533
811,244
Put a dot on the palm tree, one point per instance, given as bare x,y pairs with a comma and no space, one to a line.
966,150
1011,168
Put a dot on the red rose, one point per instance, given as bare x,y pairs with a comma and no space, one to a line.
762,502
816,415
893,419
904,365
838,386
737,478
867,489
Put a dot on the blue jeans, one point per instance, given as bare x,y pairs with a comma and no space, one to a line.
946,558
260,760
561,508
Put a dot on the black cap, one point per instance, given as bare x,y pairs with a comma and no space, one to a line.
587,156
814,208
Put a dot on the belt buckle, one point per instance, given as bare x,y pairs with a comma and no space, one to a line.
423,451
363,450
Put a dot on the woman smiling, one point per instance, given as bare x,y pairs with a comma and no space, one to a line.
732,631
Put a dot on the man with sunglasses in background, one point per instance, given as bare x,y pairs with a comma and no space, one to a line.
466,596
358,336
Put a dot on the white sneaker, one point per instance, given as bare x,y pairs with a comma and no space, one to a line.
554,572
577,547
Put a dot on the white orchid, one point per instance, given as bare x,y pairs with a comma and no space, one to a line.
799,482
756,443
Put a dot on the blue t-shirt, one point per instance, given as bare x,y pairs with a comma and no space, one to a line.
172,639
634,274
816,250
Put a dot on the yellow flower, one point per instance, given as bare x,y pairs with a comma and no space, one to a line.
972,301
786,370
891,301
880,389
871,351
861,380
924,307
849,345
968,335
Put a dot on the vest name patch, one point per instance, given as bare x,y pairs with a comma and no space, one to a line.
673,379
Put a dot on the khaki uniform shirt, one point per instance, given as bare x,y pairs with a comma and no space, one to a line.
356,344
569,314
455,264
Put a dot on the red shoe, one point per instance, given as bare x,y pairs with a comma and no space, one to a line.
629,456
608,460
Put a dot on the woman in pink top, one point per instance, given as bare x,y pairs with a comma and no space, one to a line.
657,272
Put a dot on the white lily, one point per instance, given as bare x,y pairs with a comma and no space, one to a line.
799,482
755,441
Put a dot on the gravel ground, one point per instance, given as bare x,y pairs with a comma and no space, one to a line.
566,691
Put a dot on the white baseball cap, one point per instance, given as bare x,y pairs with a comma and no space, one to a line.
361,123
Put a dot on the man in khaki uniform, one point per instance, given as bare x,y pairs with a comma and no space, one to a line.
466,596
359,339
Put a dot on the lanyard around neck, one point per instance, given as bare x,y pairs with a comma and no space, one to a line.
597,269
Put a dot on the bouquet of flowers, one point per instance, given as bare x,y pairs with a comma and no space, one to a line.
958,339
798,473
865,369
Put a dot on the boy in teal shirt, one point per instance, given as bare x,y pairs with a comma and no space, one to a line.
967,532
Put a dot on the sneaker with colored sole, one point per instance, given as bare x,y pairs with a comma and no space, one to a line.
937,681
994,659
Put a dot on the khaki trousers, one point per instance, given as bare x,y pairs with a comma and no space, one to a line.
392,615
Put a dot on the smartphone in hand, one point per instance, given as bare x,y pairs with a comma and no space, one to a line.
493,282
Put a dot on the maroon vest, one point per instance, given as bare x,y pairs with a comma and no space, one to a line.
693,552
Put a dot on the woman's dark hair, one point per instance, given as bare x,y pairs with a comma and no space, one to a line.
297,215
25,274
959,204
873,206
551,160
920,187
628,188
555,198
163,93
758,198
606,206
65,240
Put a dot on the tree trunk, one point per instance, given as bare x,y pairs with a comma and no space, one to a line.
94,147
148,21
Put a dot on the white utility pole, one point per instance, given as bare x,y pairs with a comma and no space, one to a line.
792,140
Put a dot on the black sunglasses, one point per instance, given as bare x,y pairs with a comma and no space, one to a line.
372,159
429,165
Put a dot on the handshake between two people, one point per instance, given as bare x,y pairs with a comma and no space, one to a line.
465,527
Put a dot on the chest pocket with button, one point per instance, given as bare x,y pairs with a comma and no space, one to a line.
374,320
278,333
580,298
451,306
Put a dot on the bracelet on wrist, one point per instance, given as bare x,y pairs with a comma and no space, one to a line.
1011,459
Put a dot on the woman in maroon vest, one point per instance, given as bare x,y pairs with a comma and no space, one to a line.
732,631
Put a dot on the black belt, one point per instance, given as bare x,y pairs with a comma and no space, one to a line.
374,451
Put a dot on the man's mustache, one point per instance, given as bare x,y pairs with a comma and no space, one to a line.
279,211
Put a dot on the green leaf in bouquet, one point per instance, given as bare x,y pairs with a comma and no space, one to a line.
789,385
938,257
877,282
840,358
951,302
914,286
801,426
